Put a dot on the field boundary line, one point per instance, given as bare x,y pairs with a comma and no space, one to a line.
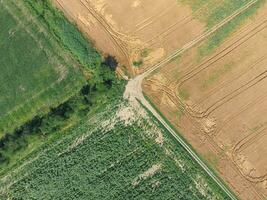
107,28
134,91
184,21
199,38
166,124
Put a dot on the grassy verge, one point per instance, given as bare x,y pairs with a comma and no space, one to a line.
81,150
67,34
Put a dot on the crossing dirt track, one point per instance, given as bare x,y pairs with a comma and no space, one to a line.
217,99
219,104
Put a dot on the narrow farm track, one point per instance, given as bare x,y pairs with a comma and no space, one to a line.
194,70
244,36
227,83
200,114
232,46
189,115
179,24
134,91
200,38
217,57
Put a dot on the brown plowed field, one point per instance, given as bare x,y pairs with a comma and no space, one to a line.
220,103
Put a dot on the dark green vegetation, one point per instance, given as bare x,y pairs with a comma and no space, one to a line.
103,158
213,12
66,33
35,72
18,144
81,147
79,97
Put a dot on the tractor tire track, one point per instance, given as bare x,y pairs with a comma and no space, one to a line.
218,56
108,29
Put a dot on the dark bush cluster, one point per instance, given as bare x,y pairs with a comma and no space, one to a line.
92,94
101,86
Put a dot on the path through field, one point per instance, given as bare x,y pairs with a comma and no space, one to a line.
134,91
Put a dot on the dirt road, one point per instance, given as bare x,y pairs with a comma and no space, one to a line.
134,91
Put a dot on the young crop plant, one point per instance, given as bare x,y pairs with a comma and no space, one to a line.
137,63
118,152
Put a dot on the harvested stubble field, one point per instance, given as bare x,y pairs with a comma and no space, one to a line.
118,153
35,72
218,101
139,34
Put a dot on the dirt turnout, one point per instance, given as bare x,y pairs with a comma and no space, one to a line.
220,103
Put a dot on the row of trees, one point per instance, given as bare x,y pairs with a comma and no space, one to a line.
102,83
102,86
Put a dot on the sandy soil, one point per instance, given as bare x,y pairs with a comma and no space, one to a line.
219,104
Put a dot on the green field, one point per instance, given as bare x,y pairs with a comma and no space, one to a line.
69,99
36,73
111,156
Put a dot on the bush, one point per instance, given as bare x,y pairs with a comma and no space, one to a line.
111,62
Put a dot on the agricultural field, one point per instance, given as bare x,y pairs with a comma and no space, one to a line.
92,144
66,132
36,73
215,94
91,81
154,32
211,92
117,152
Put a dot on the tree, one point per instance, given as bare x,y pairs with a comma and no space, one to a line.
111,62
